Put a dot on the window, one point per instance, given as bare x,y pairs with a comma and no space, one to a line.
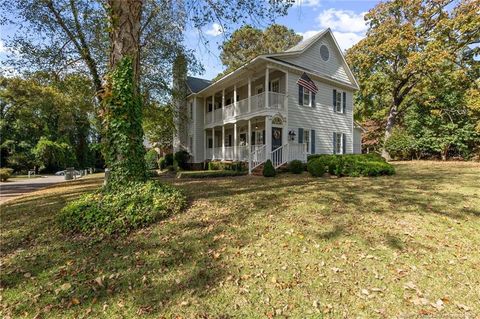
306,139
275,86
191,144
191,111
210,107
306,97
324,53
338,106
338,139
210,142
258,137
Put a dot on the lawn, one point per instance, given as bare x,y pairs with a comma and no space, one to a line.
291,246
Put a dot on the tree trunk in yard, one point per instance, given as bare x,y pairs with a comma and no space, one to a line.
122,107
179,98
392,117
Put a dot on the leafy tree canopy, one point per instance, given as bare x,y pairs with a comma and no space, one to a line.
249,42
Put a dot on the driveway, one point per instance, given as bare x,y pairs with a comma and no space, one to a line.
19,187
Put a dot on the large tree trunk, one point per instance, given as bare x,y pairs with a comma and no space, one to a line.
122,113
392,117
179,99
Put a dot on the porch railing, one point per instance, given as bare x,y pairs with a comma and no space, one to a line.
275,101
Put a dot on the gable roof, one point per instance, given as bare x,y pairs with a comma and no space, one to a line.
275,57
195,85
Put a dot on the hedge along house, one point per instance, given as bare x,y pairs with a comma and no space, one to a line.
281,107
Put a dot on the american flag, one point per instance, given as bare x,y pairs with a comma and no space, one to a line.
307,83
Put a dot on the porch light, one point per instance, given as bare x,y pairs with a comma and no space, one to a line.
291,135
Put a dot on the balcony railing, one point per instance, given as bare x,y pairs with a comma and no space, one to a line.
276,101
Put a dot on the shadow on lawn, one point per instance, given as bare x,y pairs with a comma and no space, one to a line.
182,256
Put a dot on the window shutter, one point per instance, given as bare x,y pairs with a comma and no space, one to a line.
300,135
334,142
334,100
344,102
344,144
312,138
300,95
313,99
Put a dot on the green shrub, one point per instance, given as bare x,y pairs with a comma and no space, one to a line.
119,210
210,174
296,167
54,155
354,164
316,167
5,174
151,159
401,145
233,166
168,159
181,158
268,169
162,163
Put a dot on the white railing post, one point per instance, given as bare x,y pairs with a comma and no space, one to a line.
213,108
235,141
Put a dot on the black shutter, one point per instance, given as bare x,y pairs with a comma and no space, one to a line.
334,142
313,99
300,95
312,138
344,143
334,100
300,135
263,137
344,102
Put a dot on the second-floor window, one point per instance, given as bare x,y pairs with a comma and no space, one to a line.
305,97
339,101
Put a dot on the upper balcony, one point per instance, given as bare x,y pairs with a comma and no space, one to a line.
247,107
245,97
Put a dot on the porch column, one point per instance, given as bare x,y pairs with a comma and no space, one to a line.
268,135
204,110
223,104
223,142
205,144
235,99
249,147
267,73
213,108
249,94
213,143
235,141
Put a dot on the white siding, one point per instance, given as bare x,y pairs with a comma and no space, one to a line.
320,118
357,140
310,59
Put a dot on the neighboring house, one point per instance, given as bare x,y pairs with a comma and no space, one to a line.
280,106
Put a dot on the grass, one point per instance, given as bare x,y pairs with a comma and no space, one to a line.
293,246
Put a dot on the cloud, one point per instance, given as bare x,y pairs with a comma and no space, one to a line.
215,30
3,48
348,27
347,39
307,3
342,20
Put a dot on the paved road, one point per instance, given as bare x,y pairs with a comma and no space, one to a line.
19,187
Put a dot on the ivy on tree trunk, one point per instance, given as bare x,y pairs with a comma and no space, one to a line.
122,105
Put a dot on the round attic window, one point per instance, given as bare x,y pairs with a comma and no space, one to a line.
324,53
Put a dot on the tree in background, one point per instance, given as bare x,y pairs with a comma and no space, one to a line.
249,42
406,42
159,126
59,109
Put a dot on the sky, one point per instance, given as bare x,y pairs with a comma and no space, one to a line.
306,17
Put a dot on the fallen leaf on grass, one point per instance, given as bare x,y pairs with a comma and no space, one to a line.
64,287
336,270
75,301
410,285
462,307
420,301
439,305
365,292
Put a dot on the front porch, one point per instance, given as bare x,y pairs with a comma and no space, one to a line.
254,141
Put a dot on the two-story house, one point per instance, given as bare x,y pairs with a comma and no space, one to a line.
280,106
